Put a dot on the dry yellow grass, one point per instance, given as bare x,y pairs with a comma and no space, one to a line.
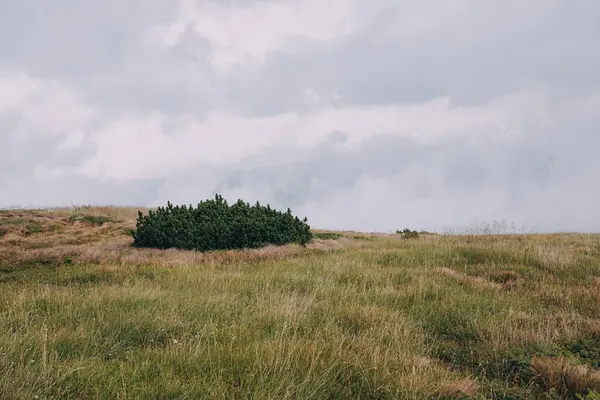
476,281
564,376
83,314
460,389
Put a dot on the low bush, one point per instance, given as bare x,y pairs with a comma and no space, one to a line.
215,225
328,235
408,234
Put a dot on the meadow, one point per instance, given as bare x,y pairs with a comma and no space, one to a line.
85,315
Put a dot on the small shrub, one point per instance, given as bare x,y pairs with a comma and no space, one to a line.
3,232
328,235
214,225
368,238
408,234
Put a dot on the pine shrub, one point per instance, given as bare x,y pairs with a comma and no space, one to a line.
408,234
215,225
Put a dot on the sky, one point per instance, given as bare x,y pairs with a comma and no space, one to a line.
360,115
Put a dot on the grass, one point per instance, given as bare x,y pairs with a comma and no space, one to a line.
97,220
83,314
328,235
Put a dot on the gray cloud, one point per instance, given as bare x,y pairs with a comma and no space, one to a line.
556,51
360,117
434,185
70,39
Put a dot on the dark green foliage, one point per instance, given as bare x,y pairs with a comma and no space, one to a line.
214,225
587,350
408,234
328,235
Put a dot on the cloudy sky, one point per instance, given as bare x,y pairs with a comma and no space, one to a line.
367,115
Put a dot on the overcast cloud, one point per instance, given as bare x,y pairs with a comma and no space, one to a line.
367,115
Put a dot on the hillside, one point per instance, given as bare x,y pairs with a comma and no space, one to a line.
83,314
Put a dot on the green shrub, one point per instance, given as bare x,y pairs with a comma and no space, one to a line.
328,235
214,225
408,234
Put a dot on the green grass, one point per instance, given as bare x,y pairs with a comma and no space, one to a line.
13,222
385,318
30,226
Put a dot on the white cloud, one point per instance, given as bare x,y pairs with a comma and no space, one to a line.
44,106
461,21
139,147
247,32
439,112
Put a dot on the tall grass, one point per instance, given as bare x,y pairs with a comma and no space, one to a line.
83,314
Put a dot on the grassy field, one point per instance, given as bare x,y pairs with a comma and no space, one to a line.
84,315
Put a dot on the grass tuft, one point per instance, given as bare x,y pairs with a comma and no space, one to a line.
327,235
563,377
464,389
